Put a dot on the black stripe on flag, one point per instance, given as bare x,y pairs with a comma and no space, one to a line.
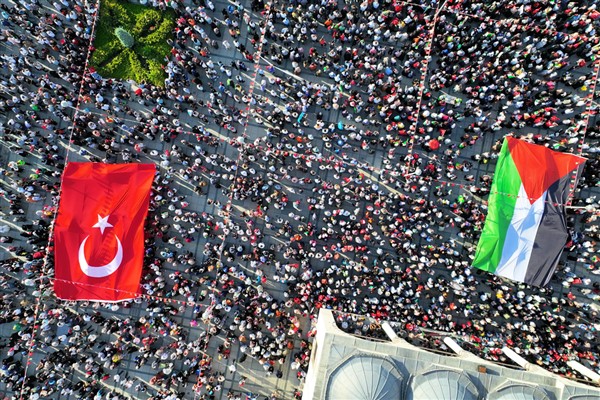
552,234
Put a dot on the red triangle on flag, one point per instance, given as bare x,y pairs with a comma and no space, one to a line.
539,167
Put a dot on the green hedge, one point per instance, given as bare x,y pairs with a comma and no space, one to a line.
150,29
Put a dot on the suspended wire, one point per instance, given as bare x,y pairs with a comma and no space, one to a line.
352,162
31,344
256,62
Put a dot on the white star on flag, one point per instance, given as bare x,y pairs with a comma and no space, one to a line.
102,223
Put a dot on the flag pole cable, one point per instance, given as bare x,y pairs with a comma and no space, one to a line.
244,136
324,160
31,342
588,112
81,83
424,69
353,163
274,152
509,22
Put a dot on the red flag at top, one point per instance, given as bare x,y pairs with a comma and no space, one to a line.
99,231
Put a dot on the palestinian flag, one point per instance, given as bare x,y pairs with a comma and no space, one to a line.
525,228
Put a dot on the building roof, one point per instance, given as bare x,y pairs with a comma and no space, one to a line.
441,384
347,367
518,392
364,377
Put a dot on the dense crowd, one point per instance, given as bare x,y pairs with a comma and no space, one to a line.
312,154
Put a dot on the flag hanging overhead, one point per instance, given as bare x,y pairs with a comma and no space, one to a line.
525,228
99,231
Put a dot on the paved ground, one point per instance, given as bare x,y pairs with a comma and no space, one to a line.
256,129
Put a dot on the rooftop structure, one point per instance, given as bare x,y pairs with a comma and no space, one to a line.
348,367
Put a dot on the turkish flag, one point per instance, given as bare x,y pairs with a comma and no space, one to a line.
99,231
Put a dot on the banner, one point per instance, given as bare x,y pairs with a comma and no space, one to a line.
525,228
99,231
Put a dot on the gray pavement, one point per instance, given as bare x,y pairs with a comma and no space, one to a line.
265,137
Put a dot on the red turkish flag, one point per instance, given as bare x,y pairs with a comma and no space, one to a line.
99,231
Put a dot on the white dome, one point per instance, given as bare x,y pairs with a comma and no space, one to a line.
442,385
365,378
518,392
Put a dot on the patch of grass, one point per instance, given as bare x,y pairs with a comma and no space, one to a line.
144,60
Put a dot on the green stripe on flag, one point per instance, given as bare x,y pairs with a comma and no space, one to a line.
501,207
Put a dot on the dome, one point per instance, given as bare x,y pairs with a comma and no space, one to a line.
518,392
365,378
442,385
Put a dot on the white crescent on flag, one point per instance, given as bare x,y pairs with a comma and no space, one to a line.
103,270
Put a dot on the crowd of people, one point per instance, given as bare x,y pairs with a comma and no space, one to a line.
311,154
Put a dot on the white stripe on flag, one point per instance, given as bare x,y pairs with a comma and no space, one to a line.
520,237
